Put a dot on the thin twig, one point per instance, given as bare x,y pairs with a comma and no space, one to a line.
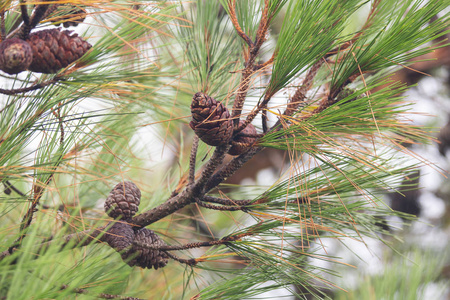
300,94
24,30
24,11
190,262
57,114
244,84
235,22
224,240
229,202
263,27
2,26
38,193
331,99
28,217
31,88
221,208
7,184
101,296
299,97
192,160
264,121
38,14
255,112
294,103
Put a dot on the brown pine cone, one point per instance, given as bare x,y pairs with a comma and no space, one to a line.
241,143
69,15
123,201
211,120
120,236
54,49
15,56
143,257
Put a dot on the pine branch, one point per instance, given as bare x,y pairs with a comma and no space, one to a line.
228,202
24,10
24,30
34,87
300,94
190,262
228,170
9,186
222,241
253,51
220,208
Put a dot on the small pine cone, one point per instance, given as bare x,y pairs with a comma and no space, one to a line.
120,236
123,201
69,15
143,257
211,120
54,49
241,143
15,56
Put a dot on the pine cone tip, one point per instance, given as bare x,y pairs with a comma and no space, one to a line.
16,56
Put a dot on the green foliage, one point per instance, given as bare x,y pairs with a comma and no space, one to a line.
405,277
397,32
310,30
57,274
212,52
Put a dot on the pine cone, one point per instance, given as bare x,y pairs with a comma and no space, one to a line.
123,201
69,15
54,49
15,56
120,236
143,257
211,120
241,143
